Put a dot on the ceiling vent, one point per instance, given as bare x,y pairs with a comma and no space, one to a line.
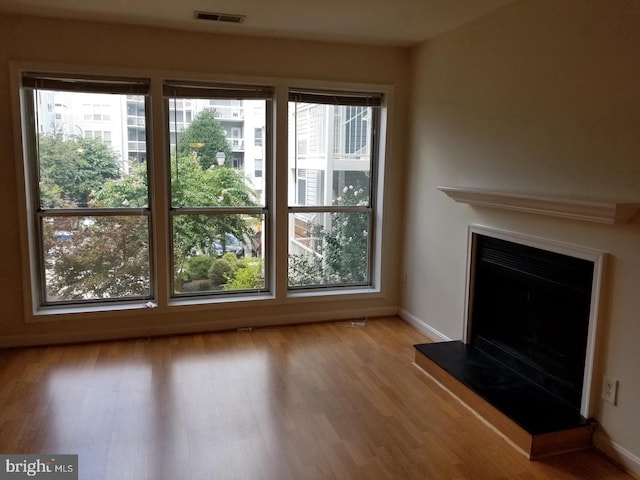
219,17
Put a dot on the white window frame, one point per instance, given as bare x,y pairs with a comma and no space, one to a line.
31,82
351,98
177,89
276,172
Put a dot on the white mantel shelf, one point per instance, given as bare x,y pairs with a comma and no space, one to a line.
612,213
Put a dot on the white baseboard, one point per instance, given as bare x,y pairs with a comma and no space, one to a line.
423,327
191,327
617,453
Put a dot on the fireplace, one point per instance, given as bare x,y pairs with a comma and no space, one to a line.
525,362
530,309
533,303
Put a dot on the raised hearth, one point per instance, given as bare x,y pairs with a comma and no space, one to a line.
533,419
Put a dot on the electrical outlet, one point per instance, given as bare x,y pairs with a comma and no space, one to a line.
609,390
404,281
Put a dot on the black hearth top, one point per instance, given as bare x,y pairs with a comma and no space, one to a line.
526,403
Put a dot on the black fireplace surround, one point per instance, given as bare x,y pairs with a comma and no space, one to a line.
530,310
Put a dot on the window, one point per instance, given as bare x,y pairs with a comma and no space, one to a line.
218,219
237,160
97,238
90,221
94,111
310,187
332,165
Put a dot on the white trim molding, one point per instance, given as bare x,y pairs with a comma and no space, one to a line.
597,257
422,326
618,454
607,212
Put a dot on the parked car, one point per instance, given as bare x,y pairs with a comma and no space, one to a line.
231,244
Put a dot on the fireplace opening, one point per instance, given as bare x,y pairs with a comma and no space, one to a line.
530,309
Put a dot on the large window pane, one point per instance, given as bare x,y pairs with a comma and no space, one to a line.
89,183
218,253
211,164
329,149
332,160
329,249
95,258
80,146
214,186
218,198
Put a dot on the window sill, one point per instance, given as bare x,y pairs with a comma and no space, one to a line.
67,313
58,313
229,301
362,292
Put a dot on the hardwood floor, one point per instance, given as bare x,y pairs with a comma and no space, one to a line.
324,401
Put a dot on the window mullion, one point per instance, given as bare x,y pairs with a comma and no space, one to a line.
217,210
92,212
330,209
157,120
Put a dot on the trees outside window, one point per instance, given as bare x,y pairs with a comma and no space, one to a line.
205,138
332,164
91,211
71,168
87,251
217,216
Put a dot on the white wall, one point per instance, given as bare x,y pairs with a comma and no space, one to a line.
541,97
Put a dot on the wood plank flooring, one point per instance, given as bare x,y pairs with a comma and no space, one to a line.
321,401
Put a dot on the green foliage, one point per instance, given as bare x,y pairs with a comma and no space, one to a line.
248,275
101,258
220,271
345,247
197,268
343,256
305,270
105,257
193,186
71,168
232,259
108,257
206,130
205,285
126,191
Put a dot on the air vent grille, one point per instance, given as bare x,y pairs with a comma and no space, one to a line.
554,268
219,17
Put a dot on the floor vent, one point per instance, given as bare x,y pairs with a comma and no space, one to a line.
219,17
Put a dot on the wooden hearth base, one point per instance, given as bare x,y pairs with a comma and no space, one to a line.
549,430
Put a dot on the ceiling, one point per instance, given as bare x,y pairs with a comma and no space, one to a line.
378,22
